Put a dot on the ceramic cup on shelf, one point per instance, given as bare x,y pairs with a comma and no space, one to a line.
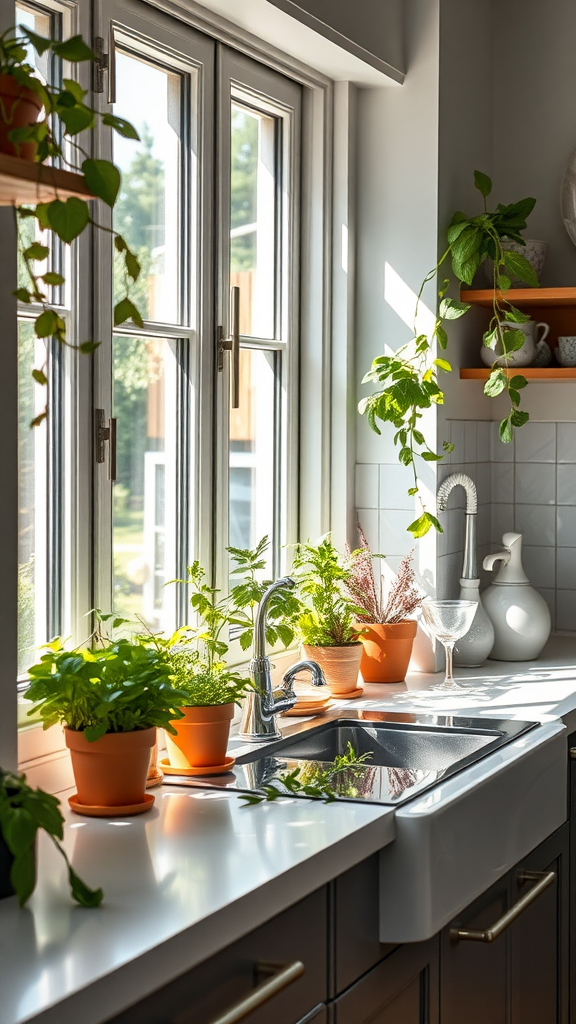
566,351
533,345
534,251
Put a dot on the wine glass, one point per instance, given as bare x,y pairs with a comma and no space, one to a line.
448,621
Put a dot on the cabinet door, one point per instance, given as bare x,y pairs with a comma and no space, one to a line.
473,975
210,990
355,910
402,989
539,938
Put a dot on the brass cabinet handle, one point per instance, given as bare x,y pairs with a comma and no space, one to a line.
281,977
572,753
543,879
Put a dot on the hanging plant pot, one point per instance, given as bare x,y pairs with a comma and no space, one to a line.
386,650
339,664
111,771
19,106
201,737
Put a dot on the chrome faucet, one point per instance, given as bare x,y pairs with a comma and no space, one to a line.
263,703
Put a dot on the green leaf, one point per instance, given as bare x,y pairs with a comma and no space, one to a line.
68,219
52,278
46,324
36,252
74,49
89,346
132,265
455,230
412,491
76,89
39,43
76,119
519,267
23,874
518,382
420,527
518,417
121,126
405,456
512,339
497,382
103,179
126,310
516,315
119,243
83,895
18,829
451,309
442,364
23,295
503,282
483,183
442,336
506,431
39,377
430,456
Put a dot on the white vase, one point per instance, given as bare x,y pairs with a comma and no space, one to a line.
519,614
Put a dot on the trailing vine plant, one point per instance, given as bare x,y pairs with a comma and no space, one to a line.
408,379
65,115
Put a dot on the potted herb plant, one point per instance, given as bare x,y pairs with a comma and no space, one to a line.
23,812
388,631
110,701
325,624
37,122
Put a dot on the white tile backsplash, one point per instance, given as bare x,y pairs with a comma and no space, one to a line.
566,610
502,482
535,483
540,566
366,490
501,452
483,441
566,441
470,441
394,538
566,526
536,523
566,568
536,442
395,482
566,483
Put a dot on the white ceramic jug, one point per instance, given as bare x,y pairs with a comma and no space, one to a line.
519,614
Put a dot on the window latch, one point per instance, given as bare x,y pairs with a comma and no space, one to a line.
104,63
232,345
106,434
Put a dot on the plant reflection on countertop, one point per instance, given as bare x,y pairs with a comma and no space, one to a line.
23,811
345,776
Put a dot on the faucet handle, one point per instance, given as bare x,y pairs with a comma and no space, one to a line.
311,666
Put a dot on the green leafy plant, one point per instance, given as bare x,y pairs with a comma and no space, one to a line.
327,614
199,684
408,379
123,687
23,811
338,778
248,591
66,114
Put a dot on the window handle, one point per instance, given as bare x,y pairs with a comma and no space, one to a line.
111,65
232,345
106,435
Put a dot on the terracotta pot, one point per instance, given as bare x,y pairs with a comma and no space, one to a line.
201,737
19,106
339,664
386,650
111,772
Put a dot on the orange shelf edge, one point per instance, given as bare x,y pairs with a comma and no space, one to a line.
547,373
23,182
523,296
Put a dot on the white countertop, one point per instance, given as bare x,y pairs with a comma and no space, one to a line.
202,869
181,882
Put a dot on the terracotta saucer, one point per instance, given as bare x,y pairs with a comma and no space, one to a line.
349,695
155,778
299,712
94,811
216,769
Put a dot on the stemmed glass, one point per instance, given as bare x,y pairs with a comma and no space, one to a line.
447,621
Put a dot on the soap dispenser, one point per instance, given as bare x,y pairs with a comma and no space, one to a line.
519,614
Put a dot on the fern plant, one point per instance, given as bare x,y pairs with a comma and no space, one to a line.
327,614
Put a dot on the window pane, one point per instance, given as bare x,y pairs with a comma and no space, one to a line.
32,502
253,218
147,211
252,451
144,495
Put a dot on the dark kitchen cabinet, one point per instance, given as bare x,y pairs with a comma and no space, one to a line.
521,976
572,822
402,989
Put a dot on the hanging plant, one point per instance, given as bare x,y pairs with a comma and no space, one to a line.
64,115
408,379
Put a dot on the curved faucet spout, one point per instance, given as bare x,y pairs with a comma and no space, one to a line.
260,625
470,567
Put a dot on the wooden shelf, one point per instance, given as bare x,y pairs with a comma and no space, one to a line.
23,182
523,296
531,373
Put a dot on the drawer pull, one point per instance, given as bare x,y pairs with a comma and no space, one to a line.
280,977
543,879
572,753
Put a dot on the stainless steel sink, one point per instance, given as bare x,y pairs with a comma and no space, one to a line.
404,758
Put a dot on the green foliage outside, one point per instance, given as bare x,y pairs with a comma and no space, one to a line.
243,167
23,811
408,380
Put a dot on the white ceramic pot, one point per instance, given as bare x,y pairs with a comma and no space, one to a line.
566,351
521,621
534,251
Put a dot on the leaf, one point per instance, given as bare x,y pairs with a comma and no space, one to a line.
89,346
442,336
23,874
40,377
23,295
497,383
483,183
36,252
451,309
512,340
518,417
420,527
505,430
39,43
454,232
103,179
119,243
76,89
53,278
83,895
503,283
405,456
519,267
126,310
36,423
18,829
132,265
74,49
442,364
430,456
121,126
76,119
518,382
68,219
516,315
46,324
